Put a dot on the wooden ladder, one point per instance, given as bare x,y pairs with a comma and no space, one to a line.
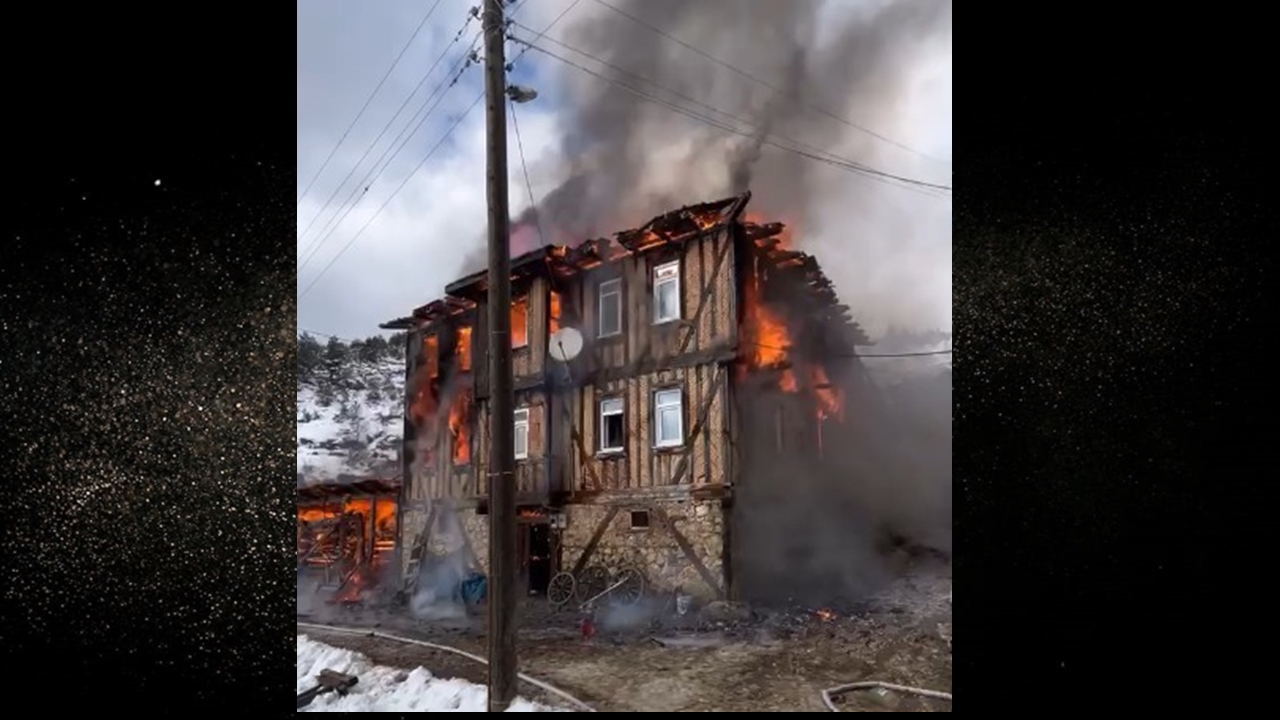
417,553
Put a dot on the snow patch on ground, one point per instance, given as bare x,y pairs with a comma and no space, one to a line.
384,689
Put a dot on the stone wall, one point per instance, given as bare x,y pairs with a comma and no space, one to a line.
652,550
446,534
477,530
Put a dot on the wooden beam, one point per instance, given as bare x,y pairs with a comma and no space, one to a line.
595,540
706,295
720,354
583,456
707,402
688,550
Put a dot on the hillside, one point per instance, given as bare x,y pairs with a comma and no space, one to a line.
350,408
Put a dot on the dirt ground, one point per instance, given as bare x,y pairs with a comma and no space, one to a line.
721,658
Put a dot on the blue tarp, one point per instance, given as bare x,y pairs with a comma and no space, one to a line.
473,589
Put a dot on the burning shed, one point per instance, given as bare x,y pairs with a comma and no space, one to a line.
346,536
716,359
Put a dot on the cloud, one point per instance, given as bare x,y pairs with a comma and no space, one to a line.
411,249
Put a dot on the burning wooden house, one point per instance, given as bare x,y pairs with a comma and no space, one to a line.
714,358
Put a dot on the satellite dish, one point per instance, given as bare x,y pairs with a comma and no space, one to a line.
565,344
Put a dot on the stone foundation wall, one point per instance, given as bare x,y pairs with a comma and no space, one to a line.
652,550
446,534
477,530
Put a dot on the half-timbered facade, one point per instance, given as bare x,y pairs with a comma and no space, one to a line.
704,341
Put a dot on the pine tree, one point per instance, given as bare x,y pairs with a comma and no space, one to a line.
310,354
373,349
335,364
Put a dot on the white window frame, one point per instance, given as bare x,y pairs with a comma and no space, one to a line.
608,408
663,275
608,287
659,405
522,425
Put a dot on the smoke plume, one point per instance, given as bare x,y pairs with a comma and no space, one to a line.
844,79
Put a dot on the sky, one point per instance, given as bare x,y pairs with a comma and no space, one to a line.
371,255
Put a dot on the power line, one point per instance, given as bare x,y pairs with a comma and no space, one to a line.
369,100
861,355
386,127
372,176
393,194
763,83
533,204
755,132
433,149
763,139
910,354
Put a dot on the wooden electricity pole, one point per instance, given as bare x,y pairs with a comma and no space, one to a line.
501,461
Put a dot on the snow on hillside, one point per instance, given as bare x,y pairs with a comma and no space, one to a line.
350,411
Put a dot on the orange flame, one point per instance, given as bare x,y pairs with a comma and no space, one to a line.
553,315
463,349
384,510
430,351
458,428
765,330
520,323
825,614
829,400
424,404
312,514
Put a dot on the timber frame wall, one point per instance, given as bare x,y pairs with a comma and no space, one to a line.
701,354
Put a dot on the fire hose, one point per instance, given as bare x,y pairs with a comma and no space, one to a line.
841,689
541,685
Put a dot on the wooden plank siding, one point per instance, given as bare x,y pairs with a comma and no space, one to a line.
706,271
532,473
640,465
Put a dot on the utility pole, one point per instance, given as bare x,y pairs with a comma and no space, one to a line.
501,465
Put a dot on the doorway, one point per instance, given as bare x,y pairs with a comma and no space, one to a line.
536,554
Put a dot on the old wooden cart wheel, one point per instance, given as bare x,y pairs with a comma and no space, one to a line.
632,587
593,581
560,590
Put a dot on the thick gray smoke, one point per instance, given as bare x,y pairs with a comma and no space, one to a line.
816,69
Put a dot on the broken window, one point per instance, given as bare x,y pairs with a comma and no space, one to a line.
459,428
430,346
668,414
666,292
639,519
610,308
522,434
520,323
611,425
554,313
463,349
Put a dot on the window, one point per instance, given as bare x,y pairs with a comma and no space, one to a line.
610,308
522,434
666,293
554,313
611,425
430,348
463,349
639,519
668,418
520,323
